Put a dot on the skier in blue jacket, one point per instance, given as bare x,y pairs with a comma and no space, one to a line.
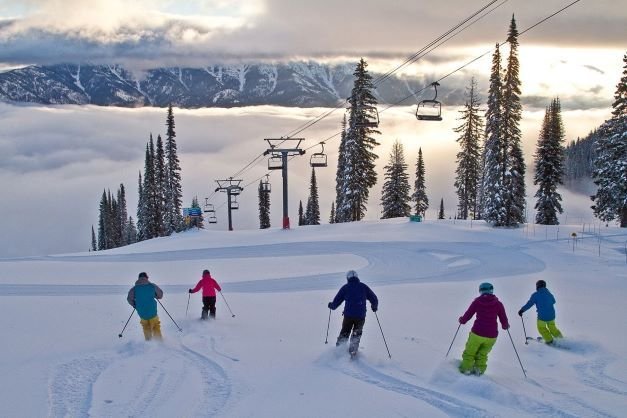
544,301
354,294
143,297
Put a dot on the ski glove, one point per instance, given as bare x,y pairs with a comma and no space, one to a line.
375,308
520,312
330,305
190,291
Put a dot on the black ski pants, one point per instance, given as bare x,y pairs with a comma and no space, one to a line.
208,304
356,325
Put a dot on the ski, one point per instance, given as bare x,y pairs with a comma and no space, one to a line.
555,343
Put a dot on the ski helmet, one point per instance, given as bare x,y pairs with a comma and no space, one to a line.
351,273
142,275
540,284
486,288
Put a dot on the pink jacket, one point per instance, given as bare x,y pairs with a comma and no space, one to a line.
208,284
488,308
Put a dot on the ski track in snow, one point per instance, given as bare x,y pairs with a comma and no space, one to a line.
162,371
70,387
358,369
592,373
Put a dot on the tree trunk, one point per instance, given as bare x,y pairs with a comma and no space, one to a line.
623,217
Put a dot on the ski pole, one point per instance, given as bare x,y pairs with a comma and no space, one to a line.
227,305
516,351
326,340
524,331
386,344
454,336
166,311
127,321
189,295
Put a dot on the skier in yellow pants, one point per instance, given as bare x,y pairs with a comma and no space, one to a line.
484,331
544,301
143,297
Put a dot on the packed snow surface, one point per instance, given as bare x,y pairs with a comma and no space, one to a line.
265,355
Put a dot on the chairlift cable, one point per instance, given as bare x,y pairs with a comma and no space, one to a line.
421,54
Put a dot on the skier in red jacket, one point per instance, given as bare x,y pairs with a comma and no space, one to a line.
209,287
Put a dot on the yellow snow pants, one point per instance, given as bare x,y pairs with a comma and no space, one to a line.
152,328
548,331
476,353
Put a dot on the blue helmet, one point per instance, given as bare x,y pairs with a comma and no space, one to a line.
351,273
486,288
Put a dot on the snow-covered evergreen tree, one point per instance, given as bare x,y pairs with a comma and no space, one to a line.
161,185
610,163
441,211
174,190
493,151
150,193
123,215
102,222
312,212
549,166
359,159
514,170
420,199
264,207
468,172
395,196
94,245
301,217
332,215
142,211
339,176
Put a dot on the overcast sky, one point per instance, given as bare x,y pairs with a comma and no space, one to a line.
55,161
151,32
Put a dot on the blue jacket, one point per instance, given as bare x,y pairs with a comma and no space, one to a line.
544,301
355,293
143,297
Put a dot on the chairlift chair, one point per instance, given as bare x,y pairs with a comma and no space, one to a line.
209,208
265,184
234,203
318,159
275,162
368,123
430,109
212,219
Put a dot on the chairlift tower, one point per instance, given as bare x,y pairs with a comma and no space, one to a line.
276,149
232,188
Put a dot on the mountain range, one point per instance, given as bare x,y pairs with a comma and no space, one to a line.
302,84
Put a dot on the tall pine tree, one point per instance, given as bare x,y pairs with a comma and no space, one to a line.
395,194
264,207
339,175
160,190
514,171
468,172
312,213
94,245
332,215
142,211
441,211
174,190
420,199
549,166
493,189
103,226
358,158
301,217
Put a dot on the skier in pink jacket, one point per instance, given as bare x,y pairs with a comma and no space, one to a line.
209,287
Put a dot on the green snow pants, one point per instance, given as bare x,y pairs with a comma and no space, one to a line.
548,330
476,353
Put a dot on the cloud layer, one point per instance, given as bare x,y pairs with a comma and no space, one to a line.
56,161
